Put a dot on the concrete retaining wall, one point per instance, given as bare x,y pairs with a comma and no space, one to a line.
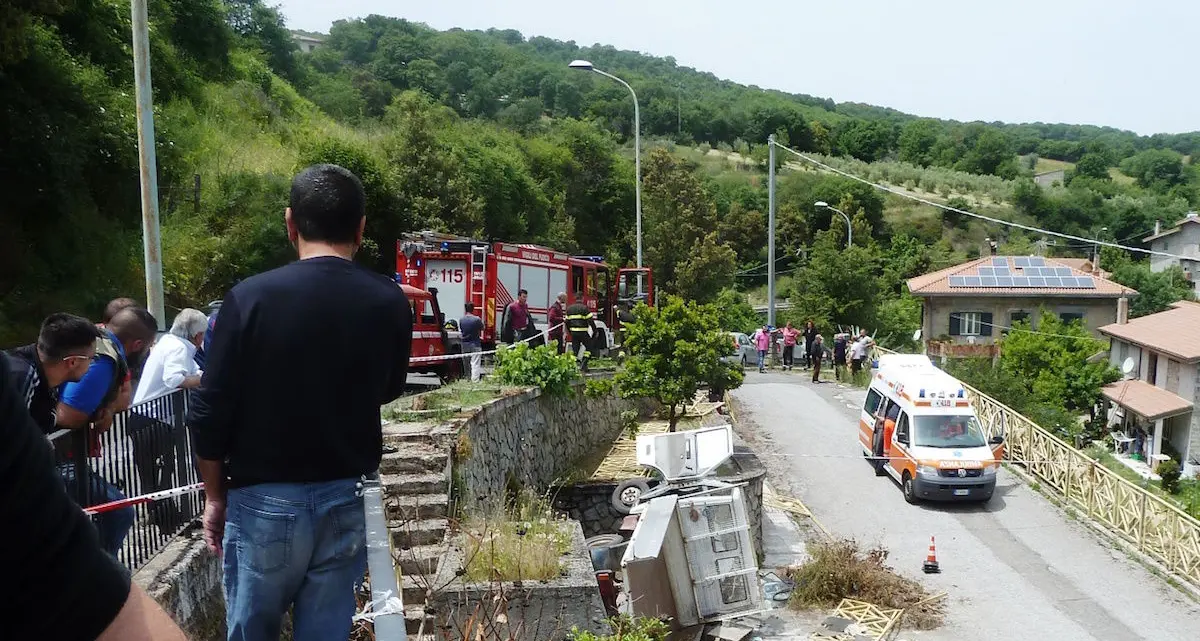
531,440
535,610
185,579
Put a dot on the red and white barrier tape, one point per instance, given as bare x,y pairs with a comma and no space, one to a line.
145,498
465,355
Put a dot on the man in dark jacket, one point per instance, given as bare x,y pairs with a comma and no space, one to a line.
581,323
815,354
62,354
557,317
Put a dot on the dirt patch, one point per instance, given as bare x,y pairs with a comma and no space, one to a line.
841,570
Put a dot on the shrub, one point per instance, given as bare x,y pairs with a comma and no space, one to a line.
598,387
542,366
1170,473
629,423
626,628
524,543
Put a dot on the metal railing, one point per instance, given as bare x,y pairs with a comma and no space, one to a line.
146,450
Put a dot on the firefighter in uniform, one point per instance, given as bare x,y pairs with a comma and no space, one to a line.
581,323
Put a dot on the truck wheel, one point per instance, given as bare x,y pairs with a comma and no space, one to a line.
628,493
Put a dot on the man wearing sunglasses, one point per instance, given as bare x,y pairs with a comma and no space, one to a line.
62,354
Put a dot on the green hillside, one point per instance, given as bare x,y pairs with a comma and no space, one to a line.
490,134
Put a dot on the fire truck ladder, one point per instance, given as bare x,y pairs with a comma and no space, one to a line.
478,276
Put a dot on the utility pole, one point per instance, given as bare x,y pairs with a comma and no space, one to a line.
679,107
771,232
151,234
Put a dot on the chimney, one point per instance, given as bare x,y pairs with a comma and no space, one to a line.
1122,310
1157,227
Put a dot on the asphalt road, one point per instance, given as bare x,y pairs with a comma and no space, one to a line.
1016,568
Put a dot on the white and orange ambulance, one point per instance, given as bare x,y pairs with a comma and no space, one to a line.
918,427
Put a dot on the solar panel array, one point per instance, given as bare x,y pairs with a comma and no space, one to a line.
1024,271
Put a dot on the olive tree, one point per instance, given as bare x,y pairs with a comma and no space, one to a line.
674,349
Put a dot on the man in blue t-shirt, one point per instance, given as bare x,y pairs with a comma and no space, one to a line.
102,392
471,327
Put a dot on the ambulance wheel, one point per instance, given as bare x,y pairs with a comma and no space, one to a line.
910,489
628,493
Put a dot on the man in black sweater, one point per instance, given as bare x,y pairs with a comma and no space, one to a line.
286,419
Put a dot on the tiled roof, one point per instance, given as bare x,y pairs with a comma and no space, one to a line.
1177,227
1146,400
1083,265
938,283
1175,331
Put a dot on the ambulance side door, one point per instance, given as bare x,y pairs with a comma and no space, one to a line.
898,443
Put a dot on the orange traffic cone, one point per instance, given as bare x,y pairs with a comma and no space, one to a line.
931,563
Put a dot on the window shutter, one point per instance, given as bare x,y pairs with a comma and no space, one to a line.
985,324
955,323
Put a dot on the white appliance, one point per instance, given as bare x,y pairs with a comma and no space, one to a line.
690,557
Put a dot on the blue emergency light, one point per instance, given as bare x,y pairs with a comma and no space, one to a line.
922,393
445,247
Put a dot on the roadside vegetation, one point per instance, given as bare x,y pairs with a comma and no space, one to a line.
841,569
525,541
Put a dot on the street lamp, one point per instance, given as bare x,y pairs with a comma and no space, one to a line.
821,204
1096,246
584,65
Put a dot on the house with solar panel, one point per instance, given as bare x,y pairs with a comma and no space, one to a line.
968,307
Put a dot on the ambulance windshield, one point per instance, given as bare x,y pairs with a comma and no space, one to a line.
948,431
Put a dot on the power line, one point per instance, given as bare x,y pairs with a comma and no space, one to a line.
959,315
892,190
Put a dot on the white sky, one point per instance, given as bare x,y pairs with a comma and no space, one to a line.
1124,64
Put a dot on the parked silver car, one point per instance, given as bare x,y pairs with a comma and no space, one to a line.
744,352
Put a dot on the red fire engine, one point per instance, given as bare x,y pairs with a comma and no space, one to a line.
490,275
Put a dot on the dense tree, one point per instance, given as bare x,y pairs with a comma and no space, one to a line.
917,140
1156,291
1054,362
1158,169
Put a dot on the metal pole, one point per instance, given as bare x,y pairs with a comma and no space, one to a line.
637,168
151,235
771,231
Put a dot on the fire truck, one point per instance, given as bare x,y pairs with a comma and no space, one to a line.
490,275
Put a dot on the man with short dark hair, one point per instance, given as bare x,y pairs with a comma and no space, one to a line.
62,354
471,327
518,323
286,419
92,402
115,305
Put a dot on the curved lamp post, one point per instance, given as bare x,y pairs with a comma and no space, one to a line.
584,65
821,204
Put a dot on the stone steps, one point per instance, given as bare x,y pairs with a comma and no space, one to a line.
414,507
420,560
410,534
414,458
415,483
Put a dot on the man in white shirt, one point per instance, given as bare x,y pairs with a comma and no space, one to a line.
153,427
859,351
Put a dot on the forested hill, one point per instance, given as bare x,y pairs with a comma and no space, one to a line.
504,75
490,134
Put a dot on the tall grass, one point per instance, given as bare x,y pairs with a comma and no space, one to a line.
523,542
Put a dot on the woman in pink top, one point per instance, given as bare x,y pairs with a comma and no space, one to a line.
789,345
762,342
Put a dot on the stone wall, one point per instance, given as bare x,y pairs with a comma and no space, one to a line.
591,505
531,440
185,579
534,610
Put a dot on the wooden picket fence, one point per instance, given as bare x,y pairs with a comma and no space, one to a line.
1155,527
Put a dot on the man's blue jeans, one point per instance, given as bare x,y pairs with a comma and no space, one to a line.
113,526
293,543
762,358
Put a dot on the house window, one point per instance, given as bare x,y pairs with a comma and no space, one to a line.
1071,317
1017,316
969,324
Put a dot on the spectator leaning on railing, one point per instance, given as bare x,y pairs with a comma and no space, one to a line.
50,547
171,366
102,392
62,353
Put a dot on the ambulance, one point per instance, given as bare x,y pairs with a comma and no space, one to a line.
918,427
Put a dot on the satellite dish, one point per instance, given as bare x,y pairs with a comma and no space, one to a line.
916,335
970,340
1128,365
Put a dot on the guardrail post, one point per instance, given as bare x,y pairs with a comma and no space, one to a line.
1141,537
183,461
1091,493
79,465
381,566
